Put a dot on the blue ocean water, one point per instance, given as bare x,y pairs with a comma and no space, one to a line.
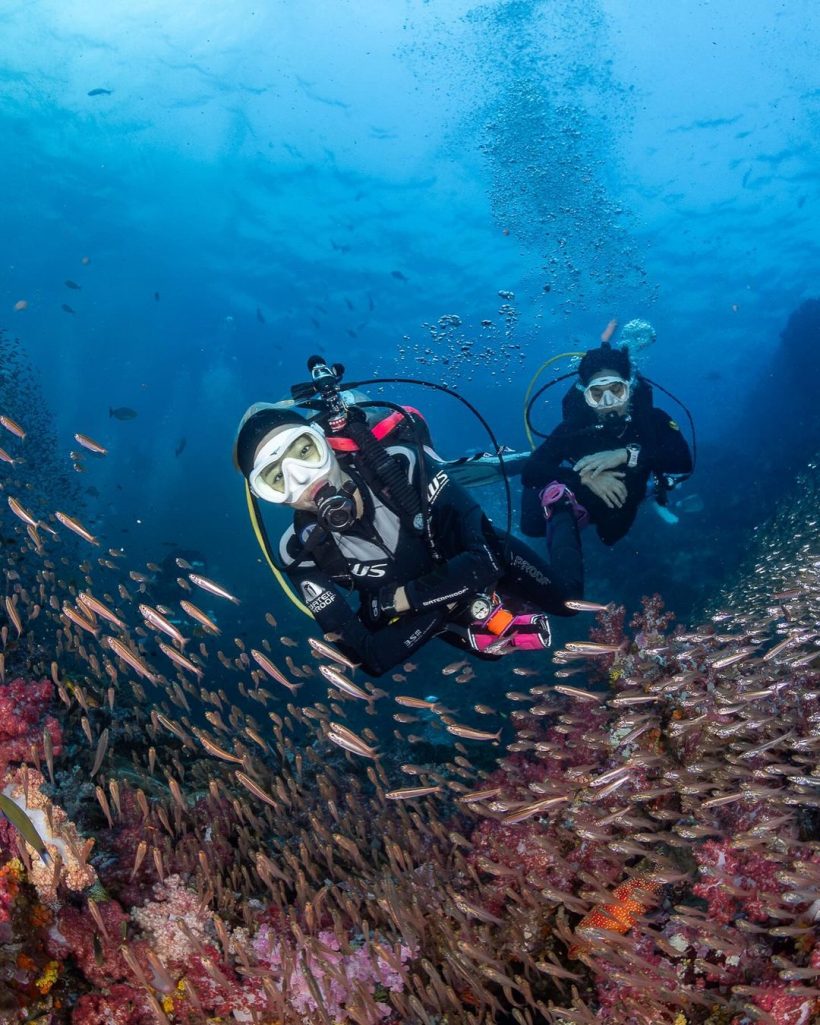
198,197
449,190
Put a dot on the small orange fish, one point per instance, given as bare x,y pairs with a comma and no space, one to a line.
629,901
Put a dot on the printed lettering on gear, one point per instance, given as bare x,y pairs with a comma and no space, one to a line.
440,481
369,569
322,602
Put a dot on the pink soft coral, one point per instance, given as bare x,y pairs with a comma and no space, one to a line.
24,718
736,882
120,1005
337,975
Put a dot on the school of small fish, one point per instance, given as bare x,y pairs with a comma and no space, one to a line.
552,853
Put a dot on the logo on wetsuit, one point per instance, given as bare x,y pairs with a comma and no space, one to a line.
517,562
441,480
368,569
317,598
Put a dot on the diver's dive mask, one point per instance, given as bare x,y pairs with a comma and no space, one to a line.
289,463
607,393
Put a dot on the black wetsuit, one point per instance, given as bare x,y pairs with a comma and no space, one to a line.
663,451
381,552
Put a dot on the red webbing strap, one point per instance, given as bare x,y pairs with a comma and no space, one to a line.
384,427
342,444
379,431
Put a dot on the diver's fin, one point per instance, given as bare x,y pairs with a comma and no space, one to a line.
666,514
474,471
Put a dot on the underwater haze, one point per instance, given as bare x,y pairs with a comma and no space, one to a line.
200,818
252,183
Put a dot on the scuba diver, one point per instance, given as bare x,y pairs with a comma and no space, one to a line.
599,459
377,518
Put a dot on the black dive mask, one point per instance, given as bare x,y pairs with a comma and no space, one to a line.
336,507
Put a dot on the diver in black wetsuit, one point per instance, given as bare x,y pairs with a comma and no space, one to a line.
600,457
350,536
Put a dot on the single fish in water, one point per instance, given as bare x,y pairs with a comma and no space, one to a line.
212,587
577,605
340,681
181,660
122,413
196,613
408,793
411,702
265,663
330,653
593,648
90,444
100,92
155,619
255,789
130,659
77,527
214,749
96,606
21,513
469,733
13,426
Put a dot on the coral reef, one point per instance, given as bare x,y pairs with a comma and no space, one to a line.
642,852
66,863
24,718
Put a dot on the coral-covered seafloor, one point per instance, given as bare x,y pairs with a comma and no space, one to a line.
642,850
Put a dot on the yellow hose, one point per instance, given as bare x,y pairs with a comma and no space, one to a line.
536,375
273,567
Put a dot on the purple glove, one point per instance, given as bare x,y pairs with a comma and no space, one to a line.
523,633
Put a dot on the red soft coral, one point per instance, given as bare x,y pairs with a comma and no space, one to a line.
75,934
120,1005
23,719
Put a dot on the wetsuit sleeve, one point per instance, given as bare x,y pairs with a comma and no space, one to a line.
545,462
377,650
465,540
666,451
